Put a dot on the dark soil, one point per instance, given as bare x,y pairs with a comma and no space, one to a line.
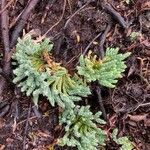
127,106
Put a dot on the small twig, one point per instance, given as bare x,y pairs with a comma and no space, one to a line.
12,24
6,57
98,90
8,4
115,14
3,103
35,117
4,110
103,39
142,105
31,118
5,34
64,7
145,104
14,113
44,35
66,24
86,49
22,21
70,18
26,128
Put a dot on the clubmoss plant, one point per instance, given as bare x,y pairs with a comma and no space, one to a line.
81,129
123,141
134,35
106,71
38,74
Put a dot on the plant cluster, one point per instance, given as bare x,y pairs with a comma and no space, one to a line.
37,73
81,129
106,71
123,141
134,35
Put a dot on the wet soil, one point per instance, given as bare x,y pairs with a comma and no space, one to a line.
127,106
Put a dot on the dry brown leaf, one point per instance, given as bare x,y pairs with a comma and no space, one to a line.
147,5
146,43
137,118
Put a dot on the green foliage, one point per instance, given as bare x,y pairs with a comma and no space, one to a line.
81,130
134,36
38,74
123,141
106,71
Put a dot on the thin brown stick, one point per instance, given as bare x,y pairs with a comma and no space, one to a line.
145,104
35,117
22,21
12,24
70,18
8,4
4,111
5,35
86,49
142,105
64,7
66,24
115,14
44,35
6,68
103,39
26,127
100,101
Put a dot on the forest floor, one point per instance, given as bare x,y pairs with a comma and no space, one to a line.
75,26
